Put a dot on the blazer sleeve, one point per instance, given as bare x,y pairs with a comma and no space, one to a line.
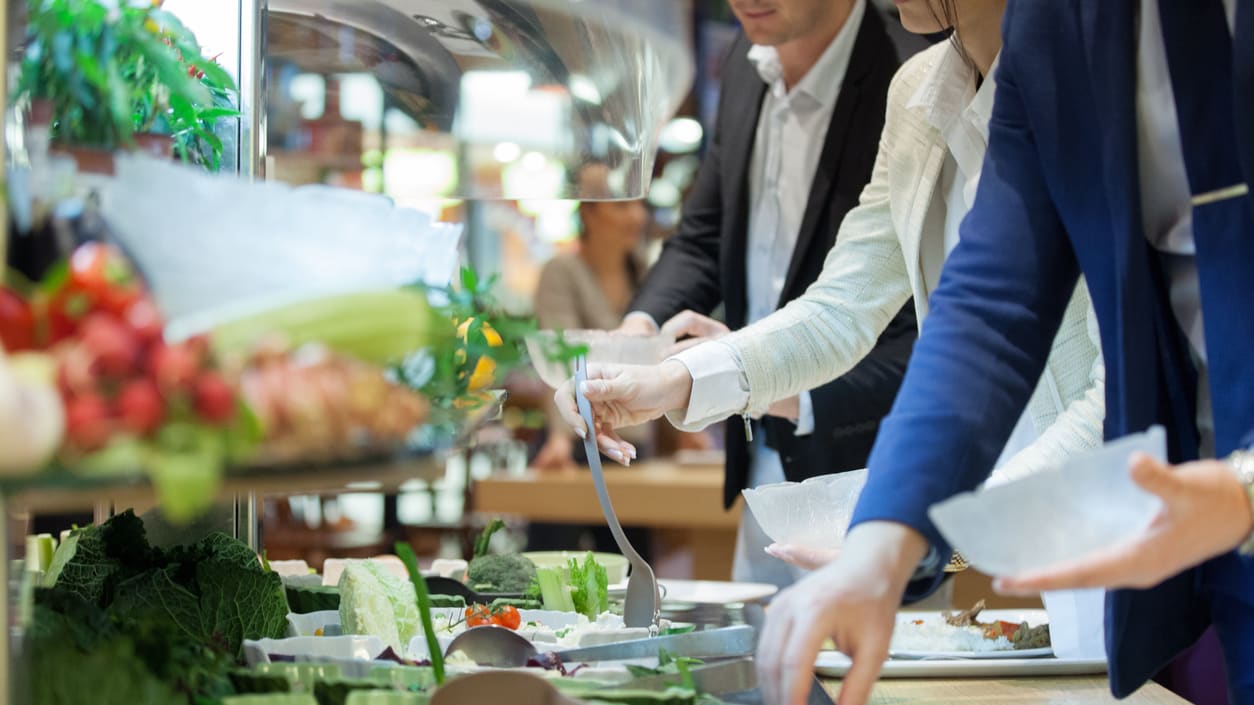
984,345
874,381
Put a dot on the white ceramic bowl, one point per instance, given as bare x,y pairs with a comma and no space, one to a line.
603,347
346,648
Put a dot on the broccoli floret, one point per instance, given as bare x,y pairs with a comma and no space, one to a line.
509,573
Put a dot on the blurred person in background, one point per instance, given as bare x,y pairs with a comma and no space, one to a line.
801,107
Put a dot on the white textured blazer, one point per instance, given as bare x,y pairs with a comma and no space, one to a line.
868,276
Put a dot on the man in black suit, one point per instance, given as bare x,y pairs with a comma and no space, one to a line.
800,113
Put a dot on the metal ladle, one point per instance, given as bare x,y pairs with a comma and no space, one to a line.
643,602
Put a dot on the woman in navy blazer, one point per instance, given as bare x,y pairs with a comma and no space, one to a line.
1061,194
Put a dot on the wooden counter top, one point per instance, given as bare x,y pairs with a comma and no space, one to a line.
657,494
1078,690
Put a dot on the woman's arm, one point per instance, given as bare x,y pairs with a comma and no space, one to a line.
819,336
1078,427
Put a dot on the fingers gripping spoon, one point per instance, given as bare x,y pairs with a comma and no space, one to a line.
643,602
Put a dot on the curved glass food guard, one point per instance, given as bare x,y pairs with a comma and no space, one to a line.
477,99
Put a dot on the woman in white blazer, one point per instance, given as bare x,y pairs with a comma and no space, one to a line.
890,248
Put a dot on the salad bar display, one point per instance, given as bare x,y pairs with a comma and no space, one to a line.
210,621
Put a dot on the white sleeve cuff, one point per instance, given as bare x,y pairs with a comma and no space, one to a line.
805,415
719,386
645,317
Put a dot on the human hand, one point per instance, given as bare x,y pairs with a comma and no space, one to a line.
691,328
853,601
637,324
789,408
624,395
1205,513
556,453
802,557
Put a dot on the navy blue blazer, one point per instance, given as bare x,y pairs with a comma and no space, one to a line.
1058,196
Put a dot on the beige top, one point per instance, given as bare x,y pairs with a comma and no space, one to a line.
569,297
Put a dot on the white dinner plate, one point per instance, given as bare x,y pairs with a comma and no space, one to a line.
714,592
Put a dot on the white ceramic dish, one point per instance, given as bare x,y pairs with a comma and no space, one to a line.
714,592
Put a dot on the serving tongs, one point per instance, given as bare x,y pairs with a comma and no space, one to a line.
643,602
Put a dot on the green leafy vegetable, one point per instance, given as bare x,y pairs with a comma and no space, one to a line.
589,587
407,556
511,573
168,624
485,538
554,590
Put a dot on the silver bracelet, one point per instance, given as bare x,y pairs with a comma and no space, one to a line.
1242,464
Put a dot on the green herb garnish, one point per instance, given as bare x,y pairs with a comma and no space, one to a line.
407,557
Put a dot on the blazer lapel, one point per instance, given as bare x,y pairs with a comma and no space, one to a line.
861,61
740,130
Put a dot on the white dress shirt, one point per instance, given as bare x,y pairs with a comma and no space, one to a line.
1166,203
792,127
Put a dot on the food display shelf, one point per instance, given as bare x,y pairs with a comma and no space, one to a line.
59,490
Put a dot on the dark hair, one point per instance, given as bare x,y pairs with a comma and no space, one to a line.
948,17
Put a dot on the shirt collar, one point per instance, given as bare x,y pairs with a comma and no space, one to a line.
948,93
823,81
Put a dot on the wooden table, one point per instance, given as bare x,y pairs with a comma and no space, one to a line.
683,499
1075,690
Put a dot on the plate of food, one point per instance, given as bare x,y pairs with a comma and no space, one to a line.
975,633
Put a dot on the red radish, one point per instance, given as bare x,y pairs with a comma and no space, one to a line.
144,318
112,344
140,406
214,399
87,421
172,367
75,371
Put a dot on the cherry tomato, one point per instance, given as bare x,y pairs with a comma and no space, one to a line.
97,269
507,616
17,322
478,616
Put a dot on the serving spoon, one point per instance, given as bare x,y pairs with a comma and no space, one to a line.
643,602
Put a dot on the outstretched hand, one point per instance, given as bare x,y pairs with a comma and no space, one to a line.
621,396
1205,513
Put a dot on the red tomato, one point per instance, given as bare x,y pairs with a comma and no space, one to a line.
97,268
507,616
478,616
17,322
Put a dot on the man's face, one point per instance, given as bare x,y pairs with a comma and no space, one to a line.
775,22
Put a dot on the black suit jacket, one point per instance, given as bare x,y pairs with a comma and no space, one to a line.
703,264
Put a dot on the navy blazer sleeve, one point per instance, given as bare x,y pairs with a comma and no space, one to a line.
982,349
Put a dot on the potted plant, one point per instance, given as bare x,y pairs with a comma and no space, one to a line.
106,73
